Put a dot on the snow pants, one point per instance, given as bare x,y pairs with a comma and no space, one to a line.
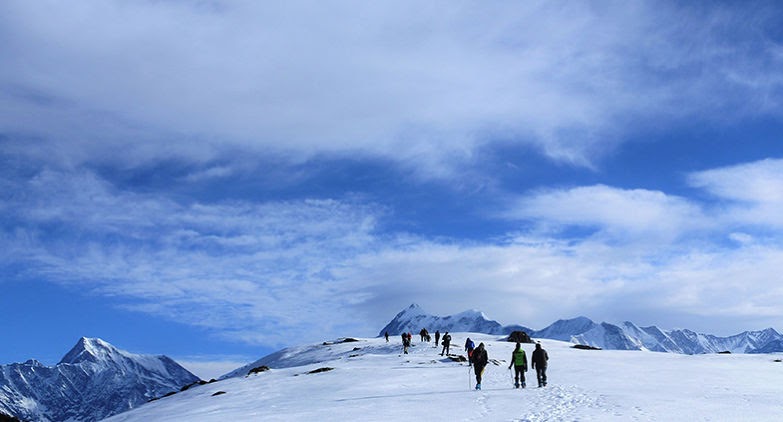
519,374
479,372
541,375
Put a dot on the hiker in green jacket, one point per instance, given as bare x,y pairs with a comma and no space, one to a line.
519,361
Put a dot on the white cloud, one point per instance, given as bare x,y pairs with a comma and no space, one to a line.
427,83
637,213
752,193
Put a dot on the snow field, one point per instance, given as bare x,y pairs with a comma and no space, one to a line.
379,383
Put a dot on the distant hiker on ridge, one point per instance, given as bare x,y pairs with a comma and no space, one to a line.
538,362
469,346
519,360
446,343
480,360
406,343
437,338
387,336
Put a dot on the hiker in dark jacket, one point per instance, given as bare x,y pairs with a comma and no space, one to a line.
446,343
519,360
406,343
538,362
480,360
437,338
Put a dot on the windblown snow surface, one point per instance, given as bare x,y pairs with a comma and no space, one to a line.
373,381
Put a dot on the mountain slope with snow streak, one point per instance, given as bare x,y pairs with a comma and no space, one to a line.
371,380
92,381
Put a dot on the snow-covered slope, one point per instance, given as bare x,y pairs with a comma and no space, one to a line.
414,318
92,381
582,330
371,380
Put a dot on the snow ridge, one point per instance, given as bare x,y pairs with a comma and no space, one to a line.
582,330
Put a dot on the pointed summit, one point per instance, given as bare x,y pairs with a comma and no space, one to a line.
90,350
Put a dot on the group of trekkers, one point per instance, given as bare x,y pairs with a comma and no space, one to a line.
538,362
478,359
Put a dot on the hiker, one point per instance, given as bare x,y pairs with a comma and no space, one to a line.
538,362
387,336
423,334
480,360
469,346
519,360
446,343
406,342
437,338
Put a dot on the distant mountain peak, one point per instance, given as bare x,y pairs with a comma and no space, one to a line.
413,318
90,350
94,380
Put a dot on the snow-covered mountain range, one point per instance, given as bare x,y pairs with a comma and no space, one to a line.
93,380
581,330
413,318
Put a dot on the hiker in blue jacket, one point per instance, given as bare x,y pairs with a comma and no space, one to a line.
469,346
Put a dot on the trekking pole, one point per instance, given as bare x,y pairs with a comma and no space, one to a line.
470,385
510,372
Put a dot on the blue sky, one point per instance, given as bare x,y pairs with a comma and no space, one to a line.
214,180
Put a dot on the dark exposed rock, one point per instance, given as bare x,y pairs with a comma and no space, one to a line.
585,347
457,358
319,370
7,418
258,370
519,337
725,352
218,393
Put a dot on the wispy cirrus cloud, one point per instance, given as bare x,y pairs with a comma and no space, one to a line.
231,267
260,272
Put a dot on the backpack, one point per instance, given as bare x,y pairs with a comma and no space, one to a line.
520,358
